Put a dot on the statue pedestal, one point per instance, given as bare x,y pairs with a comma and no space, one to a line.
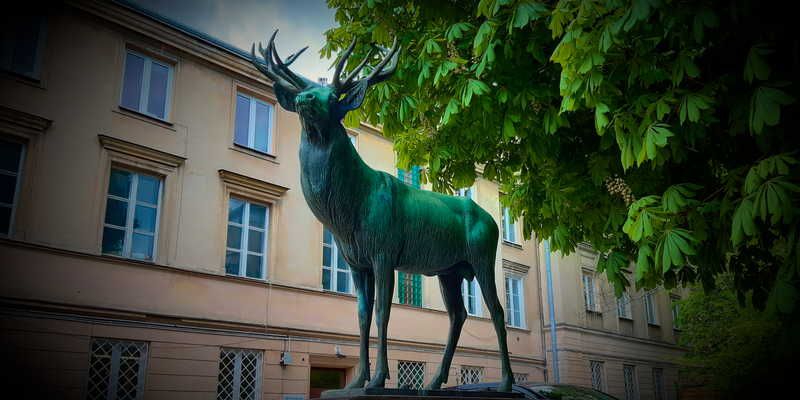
409,394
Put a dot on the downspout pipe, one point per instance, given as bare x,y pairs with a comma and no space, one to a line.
552,309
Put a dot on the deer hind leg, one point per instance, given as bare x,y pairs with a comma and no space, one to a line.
384,288
364,282
450,285
484,272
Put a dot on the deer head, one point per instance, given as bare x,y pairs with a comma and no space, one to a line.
319,105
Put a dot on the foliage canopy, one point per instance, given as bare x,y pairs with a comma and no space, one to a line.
661,132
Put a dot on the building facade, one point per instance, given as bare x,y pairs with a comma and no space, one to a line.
155,242
626,346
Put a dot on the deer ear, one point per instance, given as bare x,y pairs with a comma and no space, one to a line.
285,97
353,98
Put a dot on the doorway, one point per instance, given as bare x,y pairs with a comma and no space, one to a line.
323,379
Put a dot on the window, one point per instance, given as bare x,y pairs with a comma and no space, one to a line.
509,226
335,271
239,374
650,308
624,306
514,302
146,85
12,155
466,192
596,368
658,384
410,177
116,370
21,45
409,289
676,312
471,293
589,292
253,127
130,228
247,239
520,377
629,379
410,374
470,375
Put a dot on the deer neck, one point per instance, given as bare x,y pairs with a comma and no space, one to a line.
333,176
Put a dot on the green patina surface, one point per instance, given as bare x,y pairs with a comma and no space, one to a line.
381,224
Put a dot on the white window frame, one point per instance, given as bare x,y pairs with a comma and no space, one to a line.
474,299
589,291
651,308
17,185
676,311
7,62
509,304
470,372
509,227
113,374
251,122
132,202
624,306
334,268
244,251
462,192
406,370
144,96
237,372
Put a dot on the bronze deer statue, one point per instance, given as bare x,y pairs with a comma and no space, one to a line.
379,223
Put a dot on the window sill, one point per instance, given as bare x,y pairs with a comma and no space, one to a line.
336,292
626,318
144,117
24,79
518,328
593,312
246,278
255,153
512,244
654,324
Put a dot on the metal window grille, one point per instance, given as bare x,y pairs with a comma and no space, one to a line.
520,377
116,370
658,384
410,374
629,378
409,289
597,374
239,374
470,374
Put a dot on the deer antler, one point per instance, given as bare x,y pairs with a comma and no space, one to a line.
380,73
275,68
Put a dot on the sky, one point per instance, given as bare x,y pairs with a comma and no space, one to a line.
242,22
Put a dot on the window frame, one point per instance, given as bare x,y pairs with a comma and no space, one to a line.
253,100
593,307
19,175
462,192
650,308
131,212
244,251
36,75
658,384
522,323
237,372
624,303
476,297
404,369
634,392
676,311
334,267
113,378
509,225
602,375
144,97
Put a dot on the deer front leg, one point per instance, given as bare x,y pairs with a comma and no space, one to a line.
384,287
364,282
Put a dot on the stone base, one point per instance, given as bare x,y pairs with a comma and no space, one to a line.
409,394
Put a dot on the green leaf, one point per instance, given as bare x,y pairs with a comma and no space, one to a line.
676,197
673,248
743,222
691,106
431,47
456,31
452,108
755,66
765,107
600,119
643,262
481,40
508,128
528,10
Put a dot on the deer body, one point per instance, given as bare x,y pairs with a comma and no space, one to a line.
380,224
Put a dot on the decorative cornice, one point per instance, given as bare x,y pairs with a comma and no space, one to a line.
515,267
139,151
15,121
252,186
